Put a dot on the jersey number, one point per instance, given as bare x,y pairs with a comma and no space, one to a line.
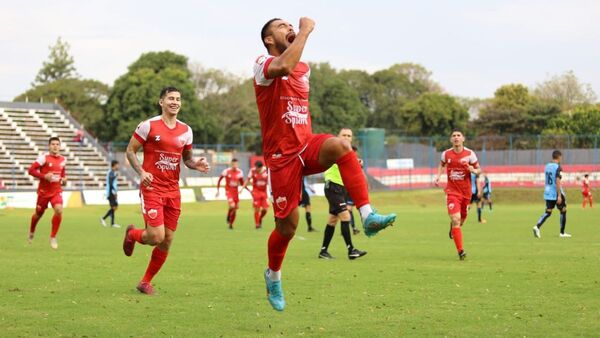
549,179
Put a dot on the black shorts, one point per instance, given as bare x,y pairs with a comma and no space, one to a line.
474,198
337,196
487,195
551,204
305,201
112,200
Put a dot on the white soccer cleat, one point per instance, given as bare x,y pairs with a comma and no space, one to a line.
103,222
53,243
115,226
536,232
565,235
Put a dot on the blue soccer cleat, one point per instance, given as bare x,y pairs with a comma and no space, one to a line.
376,222
274,293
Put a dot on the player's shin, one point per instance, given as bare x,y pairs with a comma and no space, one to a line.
156,262
56,219
457,237
345,228
35,218
543,219
355,182
277,247
563,221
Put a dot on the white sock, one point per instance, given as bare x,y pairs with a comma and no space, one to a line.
274,275
365,210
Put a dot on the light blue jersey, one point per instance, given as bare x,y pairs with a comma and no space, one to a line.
111,183
473,183
551,173
487,186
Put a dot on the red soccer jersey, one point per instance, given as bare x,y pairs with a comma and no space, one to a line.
585,187
283,108
233,179
163,147
45,164
459,176
259,179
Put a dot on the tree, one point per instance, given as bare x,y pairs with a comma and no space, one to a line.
582,120
134,96
60,65
334,103
566,91
433,114
505,114
83,98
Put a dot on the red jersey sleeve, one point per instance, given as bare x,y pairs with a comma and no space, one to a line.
34,169
142,131
261,65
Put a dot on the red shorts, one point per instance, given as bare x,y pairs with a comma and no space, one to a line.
233,197
286,182
456,204
586,193
161,210
260,199
42,202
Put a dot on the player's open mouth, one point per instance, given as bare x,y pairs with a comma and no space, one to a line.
291,37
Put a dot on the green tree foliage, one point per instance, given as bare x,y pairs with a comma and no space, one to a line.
433,114
514,111
582,120
60,65
134,96
334,102
565,91
83,98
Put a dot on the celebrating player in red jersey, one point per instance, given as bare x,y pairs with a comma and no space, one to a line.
259,178
585,191
166,142
50,170
290,149
234,178
459,162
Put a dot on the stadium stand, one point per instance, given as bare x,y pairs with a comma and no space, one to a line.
24,132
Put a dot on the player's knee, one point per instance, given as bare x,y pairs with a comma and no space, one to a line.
549,212
456,222
155,238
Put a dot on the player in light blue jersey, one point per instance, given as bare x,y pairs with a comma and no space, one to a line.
554,195
477,195
111,194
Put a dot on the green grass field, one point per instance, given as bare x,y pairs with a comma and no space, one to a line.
410,283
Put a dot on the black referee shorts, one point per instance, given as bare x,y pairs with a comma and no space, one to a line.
337,196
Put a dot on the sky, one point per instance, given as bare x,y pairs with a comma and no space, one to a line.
471,47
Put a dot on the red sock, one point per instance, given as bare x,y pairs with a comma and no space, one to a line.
136,235
583,203
232,216
35,218
229,216
156,262
457,236
590,201
262,214
354,179
277,246
256,218
56,219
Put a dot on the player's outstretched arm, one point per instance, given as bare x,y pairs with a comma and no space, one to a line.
285,63
132,148
34,170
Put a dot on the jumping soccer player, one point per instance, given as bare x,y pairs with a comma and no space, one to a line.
291,150
259,178
234,178
305,203
585,191
459,163
111,193
337,195
49,168
554,195
477,195
166,142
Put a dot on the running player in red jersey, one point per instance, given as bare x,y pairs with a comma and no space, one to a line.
259,178
585,191
291,150
166,143
50,170
234,178
459,163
